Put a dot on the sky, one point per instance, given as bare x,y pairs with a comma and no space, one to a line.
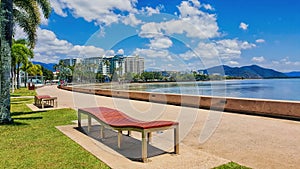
174,34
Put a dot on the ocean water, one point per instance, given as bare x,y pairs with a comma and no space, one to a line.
275,89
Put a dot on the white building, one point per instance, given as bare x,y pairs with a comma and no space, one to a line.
109,65
134,64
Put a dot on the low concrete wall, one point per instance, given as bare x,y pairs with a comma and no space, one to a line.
273,108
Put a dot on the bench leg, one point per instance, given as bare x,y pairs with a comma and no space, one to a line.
79,119
176,139
144,146
149,135
119,138
89,123
128,133
101,132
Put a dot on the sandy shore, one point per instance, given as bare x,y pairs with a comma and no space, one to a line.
208,138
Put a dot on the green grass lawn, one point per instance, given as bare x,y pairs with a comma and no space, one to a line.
23,92
34,142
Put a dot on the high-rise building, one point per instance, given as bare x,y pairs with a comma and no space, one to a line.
134,64
109,65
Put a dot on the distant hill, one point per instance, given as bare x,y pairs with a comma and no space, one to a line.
293,74
48,66
252,72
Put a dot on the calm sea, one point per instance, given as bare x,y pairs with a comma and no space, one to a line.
276,89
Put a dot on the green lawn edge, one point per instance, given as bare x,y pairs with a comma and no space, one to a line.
32,141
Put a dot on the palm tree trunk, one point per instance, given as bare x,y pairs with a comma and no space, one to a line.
7,24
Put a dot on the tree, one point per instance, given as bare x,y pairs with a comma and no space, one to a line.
6,28
35,70
20,55
25,67
25,14
47,74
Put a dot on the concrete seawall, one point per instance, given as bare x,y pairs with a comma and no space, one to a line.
272,108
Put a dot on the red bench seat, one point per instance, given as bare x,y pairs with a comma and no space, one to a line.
115,119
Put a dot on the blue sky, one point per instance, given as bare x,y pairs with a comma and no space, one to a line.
174,35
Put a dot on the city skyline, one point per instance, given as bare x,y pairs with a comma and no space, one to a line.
178,35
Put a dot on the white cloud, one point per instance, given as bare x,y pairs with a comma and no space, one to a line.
208,7
50,49
285,65
100,12
260,41
192,22
150,11
216,51
195,2
233,63
160,43
120,52
110,53
258,59
58,7
244,26
152,53
131,20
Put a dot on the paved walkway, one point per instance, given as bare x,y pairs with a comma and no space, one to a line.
256,142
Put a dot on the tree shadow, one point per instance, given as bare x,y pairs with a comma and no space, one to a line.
25,113
28,118
14,123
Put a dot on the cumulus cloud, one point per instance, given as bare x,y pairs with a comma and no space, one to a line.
100,12
131,20
50,49
243,26
192,22
160,43
150,11
120,52
225,50
258,59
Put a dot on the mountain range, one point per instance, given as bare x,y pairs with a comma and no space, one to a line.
250,72
48,66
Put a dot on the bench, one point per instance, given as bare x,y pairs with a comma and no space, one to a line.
117,120
42,100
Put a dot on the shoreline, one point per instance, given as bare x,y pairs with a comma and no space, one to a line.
200,88
258,107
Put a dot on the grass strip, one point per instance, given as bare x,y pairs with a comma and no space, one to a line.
34,142
23,92
231,165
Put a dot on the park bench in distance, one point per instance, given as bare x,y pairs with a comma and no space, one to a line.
117,120
42,100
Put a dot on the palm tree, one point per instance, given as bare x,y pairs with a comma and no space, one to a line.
25,67
25,14
20,55
6,40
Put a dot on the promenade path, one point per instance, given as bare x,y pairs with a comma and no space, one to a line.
256,142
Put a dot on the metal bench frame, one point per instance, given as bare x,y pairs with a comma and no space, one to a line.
52,101
146,133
